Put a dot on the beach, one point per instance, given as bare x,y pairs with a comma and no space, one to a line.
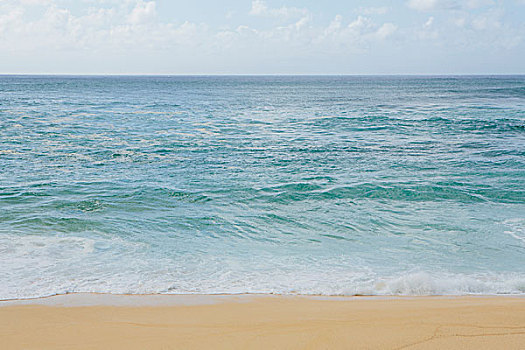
270,212
87,321
262,175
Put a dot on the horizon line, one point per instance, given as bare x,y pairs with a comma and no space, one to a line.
257,74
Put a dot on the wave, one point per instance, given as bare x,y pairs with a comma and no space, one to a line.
38,266
410,192
450,284
411,284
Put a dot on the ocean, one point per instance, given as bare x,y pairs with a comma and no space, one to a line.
331,185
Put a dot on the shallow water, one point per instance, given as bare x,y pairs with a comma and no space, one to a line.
315,185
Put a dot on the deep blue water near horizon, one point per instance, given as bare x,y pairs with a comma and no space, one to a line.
262,184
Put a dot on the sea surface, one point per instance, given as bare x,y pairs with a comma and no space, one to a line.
264,184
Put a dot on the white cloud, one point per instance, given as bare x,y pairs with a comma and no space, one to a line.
334,26
130,28
423,5
486,22
386,30
367,11
431,5
428,32
460,22
361,24
35,2
474,4
143,12
259,8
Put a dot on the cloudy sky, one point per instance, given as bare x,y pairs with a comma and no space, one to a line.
262,37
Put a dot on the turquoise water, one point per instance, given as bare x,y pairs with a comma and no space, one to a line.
325,185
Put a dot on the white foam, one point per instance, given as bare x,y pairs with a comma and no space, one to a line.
516,228
424,283
37,266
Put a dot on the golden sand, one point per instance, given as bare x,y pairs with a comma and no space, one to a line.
271,322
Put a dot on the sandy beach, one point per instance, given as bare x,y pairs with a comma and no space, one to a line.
262,322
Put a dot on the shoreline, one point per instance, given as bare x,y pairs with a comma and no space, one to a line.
38,299
253,321
109,299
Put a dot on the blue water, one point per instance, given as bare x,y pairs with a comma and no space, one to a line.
324,185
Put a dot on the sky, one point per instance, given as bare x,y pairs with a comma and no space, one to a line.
262,37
